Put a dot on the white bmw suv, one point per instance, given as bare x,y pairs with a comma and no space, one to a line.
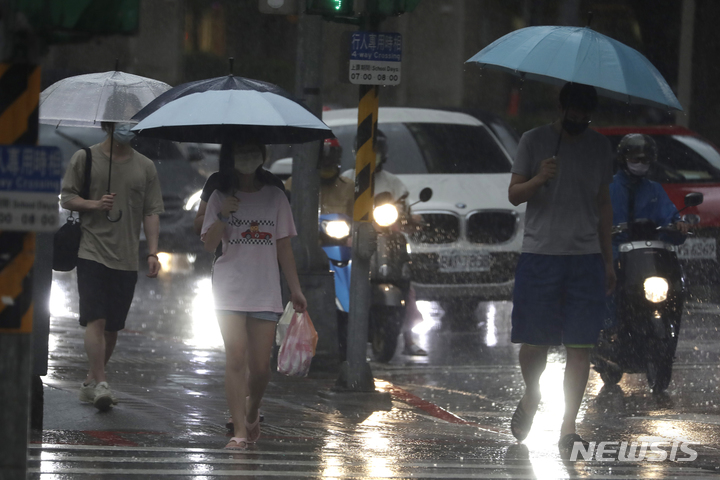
473,235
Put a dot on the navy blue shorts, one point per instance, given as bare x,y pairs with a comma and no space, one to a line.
104,293
558,299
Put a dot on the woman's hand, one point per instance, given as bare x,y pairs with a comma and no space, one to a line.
299,302
229,205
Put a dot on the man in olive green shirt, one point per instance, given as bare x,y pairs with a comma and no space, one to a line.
108,255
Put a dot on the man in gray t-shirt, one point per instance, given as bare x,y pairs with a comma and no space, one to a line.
563,172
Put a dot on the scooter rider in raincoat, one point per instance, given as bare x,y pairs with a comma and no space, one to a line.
633,196
337,194
389,182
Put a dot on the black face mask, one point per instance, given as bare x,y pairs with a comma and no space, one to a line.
574,128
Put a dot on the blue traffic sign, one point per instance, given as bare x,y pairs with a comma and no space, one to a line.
26,168
378,46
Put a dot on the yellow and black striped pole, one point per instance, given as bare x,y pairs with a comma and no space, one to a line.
365,154
355,374
19,100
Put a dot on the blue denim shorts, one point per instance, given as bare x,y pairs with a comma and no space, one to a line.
558,299
270,316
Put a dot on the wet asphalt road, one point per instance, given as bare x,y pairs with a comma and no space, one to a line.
447,415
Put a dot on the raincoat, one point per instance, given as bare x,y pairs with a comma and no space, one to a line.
651,202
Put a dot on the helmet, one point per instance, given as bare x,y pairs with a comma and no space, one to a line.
636,145
329,163
332,149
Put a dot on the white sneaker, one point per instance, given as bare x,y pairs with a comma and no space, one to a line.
87,392
103,397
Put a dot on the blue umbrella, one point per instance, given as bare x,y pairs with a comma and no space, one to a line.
558,55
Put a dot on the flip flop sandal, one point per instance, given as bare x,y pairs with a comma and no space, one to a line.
567,442
522,421
231,426
237,443
253,430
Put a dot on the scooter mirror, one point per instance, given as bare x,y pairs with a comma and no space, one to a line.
693,199
427,193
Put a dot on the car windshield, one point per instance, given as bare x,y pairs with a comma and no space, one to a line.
433,148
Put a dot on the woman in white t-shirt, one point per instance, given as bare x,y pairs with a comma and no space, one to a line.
254,223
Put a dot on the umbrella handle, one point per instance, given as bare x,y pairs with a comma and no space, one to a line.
117,219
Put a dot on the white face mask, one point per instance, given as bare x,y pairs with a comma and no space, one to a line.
638,169
247,162
122,133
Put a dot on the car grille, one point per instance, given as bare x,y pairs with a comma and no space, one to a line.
439,228
425,270
491,227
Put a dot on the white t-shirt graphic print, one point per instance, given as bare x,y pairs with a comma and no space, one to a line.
246,277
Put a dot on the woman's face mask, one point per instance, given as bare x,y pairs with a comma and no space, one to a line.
247,162
638,169
122,133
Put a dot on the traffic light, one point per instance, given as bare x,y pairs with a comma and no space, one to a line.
330,8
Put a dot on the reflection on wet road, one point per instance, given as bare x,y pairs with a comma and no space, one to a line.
447,417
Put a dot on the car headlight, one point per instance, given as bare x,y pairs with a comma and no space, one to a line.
193,201
337,229
656,289
385,215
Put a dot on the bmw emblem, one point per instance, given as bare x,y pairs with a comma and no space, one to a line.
460,205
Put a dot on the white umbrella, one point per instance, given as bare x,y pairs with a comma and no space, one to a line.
88,100
230,109
221,115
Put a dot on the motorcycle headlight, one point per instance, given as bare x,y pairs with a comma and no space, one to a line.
337,229
656,289
193,201
385,215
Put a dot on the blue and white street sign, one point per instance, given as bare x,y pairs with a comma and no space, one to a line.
375,58
29,186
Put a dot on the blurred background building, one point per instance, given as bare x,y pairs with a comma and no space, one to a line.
184,40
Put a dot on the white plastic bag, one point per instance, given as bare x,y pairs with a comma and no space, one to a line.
298,347
284,323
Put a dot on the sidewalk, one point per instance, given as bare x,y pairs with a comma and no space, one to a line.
170,424
172,397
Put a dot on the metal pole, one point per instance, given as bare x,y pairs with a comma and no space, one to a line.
315,278
20,97
355,373
687,31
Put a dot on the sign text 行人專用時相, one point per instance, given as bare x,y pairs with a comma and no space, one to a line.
375,58
29,186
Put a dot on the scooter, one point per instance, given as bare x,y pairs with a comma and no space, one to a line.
334,231
649,301
389,272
